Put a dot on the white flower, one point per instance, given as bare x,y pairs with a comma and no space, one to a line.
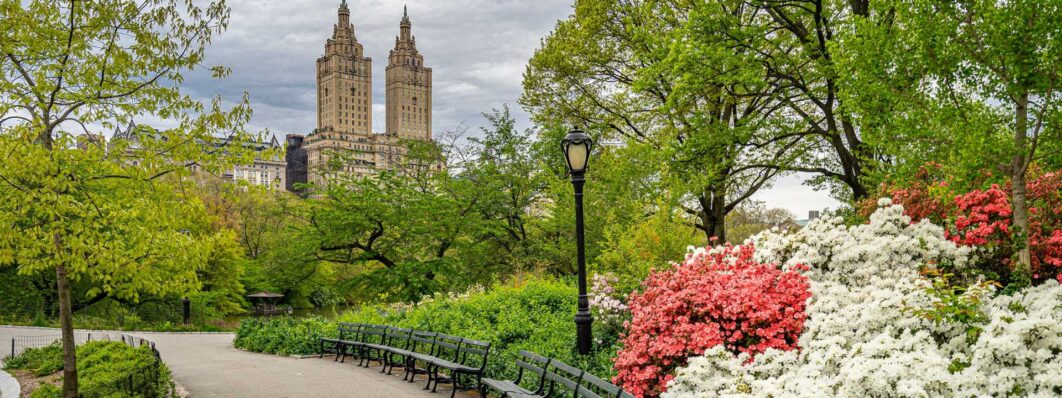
860,340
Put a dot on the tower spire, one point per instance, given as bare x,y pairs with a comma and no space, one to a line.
344,15
404,26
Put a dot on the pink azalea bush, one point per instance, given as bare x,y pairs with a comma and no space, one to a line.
717,297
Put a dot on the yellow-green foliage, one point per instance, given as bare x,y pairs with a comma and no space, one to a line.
655,241
41,361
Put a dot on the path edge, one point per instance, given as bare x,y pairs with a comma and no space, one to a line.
107,330
9,386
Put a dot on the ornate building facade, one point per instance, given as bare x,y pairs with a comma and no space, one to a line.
344,142
269,168
408,87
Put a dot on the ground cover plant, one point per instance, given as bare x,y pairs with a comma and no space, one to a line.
107,369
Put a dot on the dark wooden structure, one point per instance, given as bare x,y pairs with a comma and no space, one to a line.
265,303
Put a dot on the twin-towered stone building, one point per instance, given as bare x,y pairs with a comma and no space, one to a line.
344,130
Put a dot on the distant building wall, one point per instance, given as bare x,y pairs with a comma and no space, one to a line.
295,158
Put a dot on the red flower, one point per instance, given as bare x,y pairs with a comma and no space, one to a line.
983,218
724,297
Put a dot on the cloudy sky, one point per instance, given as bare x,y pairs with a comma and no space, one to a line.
477,50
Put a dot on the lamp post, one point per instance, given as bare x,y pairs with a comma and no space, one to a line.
576,145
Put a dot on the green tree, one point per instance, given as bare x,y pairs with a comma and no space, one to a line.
110,215
655,241
502,168
970,85
753,217
618,67
403,233
1008,54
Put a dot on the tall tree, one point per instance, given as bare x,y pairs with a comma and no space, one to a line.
615,67
501,166
110,215
402,233
799,45
1003,59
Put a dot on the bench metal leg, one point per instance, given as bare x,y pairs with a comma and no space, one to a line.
405,374
436,373
391,364
388,365
454,383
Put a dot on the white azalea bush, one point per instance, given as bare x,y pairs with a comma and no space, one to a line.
871,331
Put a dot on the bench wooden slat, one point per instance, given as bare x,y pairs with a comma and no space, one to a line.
564,380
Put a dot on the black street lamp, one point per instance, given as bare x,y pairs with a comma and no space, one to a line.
576,145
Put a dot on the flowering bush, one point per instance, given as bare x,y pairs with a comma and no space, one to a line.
718,297
927,195
862,338
983,218
610,312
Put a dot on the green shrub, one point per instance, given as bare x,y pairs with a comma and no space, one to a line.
47,391
283,335
105,369
535,316
106,366
41,361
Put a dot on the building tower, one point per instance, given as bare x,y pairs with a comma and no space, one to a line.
408,87
344,82
295,159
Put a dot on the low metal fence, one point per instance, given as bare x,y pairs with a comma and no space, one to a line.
145,383
21,343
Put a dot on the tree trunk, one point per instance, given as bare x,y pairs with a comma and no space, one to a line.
66,321
713,215
719,217
1017,179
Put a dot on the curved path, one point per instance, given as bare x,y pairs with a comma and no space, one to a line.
207,365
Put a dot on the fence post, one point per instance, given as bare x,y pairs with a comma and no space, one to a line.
12,346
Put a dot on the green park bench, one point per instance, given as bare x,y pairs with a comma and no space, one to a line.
554,379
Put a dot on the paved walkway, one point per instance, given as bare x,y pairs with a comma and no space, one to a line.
207,365
8,385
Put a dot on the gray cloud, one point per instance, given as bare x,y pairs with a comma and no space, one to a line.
477,51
